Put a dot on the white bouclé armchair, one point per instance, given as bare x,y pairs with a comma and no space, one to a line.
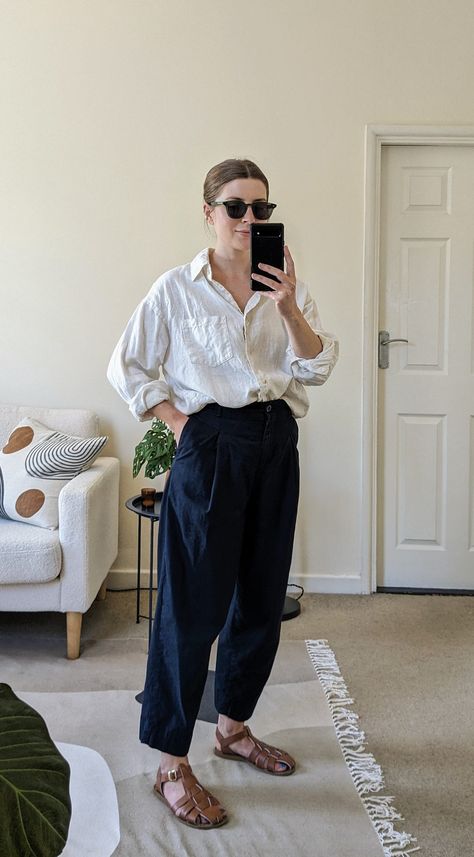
64,569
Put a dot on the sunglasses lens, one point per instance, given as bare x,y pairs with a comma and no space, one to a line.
235,210
262,210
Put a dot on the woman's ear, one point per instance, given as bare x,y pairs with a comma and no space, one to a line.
207,209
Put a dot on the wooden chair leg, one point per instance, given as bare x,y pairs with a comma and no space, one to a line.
102,593
74,625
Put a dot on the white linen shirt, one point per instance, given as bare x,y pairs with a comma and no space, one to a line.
189,342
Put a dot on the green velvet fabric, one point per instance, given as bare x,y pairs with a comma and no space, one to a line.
35,807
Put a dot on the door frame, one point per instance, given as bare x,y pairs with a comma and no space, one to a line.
377,136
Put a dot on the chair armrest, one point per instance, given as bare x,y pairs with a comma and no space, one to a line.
88,532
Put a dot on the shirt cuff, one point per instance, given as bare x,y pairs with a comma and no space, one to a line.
315,369
149,396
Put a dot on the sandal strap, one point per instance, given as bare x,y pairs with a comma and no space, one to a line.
261,755
225,742
197,803
268,757
171,776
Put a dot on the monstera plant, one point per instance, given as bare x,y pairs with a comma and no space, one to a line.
156,450
35,807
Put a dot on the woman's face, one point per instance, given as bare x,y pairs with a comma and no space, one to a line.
234,235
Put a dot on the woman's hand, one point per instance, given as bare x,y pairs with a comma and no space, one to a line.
284,291
304,341
174,419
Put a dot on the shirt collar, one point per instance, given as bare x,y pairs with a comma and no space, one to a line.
199,262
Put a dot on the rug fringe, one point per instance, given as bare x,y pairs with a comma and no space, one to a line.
366,774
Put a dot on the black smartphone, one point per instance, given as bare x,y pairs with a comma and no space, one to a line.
266,245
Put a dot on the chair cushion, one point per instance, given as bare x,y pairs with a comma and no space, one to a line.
28,554
76,421
35,463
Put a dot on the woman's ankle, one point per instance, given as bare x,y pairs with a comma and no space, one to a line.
228,726
169,763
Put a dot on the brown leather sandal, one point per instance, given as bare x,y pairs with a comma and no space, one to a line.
262,756
197,807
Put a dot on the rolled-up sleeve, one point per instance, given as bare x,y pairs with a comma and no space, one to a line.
316,370
135,366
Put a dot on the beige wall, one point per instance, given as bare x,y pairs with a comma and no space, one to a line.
112,112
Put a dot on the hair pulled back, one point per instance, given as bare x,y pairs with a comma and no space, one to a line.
227,171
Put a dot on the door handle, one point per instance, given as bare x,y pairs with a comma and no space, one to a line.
384,342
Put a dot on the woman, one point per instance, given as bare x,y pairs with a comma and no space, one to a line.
225,368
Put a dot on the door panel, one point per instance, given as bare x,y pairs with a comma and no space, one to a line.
426,396
423,312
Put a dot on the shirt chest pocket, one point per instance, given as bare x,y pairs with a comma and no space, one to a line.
207,340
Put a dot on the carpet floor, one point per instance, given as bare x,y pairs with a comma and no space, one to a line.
314,813
408,662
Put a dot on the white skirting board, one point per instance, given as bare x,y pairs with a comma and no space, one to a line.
347,584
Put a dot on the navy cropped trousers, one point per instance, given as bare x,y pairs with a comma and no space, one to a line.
224,551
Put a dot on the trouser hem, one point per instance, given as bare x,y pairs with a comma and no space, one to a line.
164,745
234,713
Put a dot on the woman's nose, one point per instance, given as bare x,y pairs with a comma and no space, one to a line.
249,216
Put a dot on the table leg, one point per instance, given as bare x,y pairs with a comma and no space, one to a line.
139,562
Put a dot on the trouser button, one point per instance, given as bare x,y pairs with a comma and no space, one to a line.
268,408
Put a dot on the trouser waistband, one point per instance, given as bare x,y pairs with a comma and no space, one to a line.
273,406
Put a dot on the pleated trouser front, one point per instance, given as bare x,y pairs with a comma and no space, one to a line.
224,551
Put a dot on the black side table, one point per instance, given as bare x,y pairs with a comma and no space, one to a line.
153,514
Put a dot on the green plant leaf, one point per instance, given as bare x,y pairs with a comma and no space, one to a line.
35,807
156,450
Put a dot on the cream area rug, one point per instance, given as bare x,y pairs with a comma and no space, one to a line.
333,806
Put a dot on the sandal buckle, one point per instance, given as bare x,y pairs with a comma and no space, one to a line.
173,775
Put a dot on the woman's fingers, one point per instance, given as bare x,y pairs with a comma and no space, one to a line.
289,277
267,281
284,288
280,292
290,265
281,276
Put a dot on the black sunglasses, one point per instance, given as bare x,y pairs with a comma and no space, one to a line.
236,208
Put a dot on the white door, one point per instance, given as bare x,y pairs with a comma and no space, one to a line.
425,530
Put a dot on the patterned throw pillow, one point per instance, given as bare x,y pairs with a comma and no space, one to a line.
35,463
